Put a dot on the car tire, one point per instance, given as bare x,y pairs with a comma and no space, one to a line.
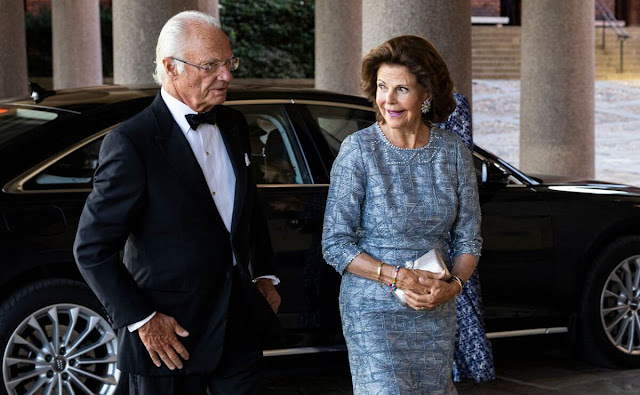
84,355
610,307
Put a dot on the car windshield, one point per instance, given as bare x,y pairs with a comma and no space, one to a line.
15,121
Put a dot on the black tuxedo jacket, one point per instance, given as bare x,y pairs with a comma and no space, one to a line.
150,196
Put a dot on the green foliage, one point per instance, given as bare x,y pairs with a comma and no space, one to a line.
39,44
273,38
106,33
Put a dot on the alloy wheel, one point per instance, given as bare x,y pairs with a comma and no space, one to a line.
62,349
620,305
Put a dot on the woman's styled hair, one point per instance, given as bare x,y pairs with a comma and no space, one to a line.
422,59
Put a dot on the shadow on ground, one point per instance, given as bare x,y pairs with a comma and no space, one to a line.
530,365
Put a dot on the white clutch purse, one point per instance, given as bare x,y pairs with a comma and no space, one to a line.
431,261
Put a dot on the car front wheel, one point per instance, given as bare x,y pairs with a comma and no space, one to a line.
54,338
610,311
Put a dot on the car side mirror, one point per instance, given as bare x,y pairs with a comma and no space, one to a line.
493,175
485,173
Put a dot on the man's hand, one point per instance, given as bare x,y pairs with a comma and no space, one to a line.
159,337
268,290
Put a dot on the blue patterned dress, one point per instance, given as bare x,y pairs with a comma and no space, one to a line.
473,358
396,204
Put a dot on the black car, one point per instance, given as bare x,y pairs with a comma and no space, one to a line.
559,255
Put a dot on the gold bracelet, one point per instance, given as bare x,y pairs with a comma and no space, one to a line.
458,280
379,272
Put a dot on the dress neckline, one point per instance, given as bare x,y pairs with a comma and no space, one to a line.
386,141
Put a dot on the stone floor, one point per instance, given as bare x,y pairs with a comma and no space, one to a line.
496,125
536,365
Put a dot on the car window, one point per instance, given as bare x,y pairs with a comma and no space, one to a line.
336,123
15,121
276,158
275,153
72,171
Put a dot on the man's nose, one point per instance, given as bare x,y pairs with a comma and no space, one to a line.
225,73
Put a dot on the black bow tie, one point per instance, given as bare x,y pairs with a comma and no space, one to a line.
204,117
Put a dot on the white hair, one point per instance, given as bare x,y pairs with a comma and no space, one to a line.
171,41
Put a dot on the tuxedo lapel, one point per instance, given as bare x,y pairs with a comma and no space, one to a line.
177,150
231,138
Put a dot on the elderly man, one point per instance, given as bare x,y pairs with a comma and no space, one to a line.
173,187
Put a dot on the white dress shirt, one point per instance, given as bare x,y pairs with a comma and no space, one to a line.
209,149
210,152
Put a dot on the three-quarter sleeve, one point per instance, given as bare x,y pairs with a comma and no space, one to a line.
466,228
344,206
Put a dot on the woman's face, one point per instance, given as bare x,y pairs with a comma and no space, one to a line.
399,97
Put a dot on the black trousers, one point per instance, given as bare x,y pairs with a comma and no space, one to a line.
237,372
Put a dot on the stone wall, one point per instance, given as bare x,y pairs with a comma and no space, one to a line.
612,6
629,10
631,7
485,7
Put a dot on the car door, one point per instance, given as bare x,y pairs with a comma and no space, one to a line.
293,188
517,254
42,202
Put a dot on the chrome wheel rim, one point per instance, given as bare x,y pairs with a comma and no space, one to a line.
62,349
619,305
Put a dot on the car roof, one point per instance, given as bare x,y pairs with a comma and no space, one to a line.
85,99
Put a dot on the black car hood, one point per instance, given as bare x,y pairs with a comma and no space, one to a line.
582,185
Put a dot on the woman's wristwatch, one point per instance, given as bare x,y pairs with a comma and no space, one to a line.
458,280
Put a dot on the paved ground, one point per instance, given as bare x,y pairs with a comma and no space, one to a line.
535,365
496,125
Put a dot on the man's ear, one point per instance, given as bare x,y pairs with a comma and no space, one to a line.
169,67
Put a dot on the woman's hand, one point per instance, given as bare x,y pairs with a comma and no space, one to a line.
409,279
427,290
423,289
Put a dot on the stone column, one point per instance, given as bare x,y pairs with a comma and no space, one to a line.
209,7
13,51
77,48
446,23
338,45
136,26
557,95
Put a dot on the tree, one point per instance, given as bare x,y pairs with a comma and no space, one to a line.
273,38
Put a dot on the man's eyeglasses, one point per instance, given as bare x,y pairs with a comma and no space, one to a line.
231,63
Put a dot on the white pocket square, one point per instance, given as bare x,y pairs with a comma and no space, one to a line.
246,159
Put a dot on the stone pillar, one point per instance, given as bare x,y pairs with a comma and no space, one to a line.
338,45
446,23
77,48
209,7
13,51
557,95
136,26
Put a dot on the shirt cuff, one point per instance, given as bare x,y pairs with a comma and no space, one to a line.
274,279
135,326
